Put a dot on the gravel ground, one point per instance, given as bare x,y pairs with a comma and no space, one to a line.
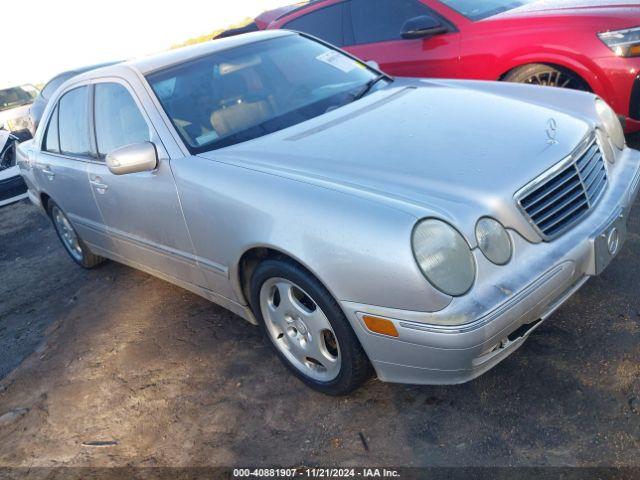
113,367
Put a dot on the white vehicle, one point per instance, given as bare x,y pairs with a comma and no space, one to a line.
12,186
15,126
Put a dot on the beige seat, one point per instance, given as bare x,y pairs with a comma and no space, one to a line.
239,116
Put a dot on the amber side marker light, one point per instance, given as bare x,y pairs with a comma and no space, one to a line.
381,326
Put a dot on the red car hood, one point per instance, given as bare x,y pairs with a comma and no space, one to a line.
625,8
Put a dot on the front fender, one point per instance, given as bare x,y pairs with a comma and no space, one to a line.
358,248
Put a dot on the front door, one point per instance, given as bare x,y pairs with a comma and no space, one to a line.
141,211
375,34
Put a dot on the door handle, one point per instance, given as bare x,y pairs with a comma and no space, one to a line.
98,185
48,172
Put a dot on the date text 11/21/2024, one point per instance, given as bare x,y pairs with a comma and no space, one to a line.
316,472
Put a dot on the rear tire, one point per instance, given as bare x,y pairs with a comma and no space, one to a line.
547,76
73,244
307,328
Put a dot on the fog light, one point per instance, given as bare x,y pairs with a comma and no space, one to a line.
381,326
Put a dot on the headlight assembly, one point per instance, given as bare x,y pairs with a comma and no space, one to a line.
611,123
444,257
494,241
624,43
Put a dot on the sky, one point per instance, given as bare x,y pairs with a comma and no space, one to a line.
53,36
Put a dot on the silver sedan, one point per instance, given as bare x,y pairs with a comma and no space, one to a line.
418,229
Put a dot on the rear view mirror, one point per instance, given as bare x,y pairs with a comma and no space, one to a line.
422,26
136,158
373,64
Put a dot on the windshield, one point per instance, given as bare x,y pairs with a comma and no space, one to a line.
247,92
479,9
17,96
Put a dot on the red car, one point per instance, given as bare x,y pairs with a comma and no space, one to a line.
583,44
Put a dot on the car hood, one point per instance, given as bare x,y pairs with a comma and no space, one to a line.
458,149
574,7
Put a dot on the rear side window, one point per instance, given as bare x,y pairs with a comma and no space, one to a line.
118,120
51,142
325,24
382,20
72,123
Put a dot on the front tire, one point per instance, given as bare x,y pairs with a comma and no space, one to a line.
546,76
307,328
73,244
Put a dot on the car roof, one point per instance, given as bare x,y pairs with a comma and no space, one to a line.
160,61
172,57
88,68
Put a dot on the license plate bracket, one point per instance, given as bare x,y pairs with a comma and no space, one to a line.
608,243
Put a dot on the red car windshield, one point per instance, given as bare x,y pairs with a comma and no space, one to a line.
479,9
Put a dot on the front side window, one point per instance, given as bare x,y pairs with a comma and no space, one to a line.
247,92
325,23
479,9
118,120
382,20
73,123
51,142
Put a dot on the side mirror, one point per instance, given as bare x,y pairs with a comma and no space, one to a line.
136,158
1,124
422,26
373,64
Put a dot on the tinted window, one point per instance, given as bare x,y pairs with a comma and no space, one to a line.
73,124
382,20
51,87
325,24
51,143
118,119
247,92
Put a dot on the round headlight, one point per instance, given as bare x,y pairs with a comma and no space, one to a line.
494,241
444,257
611,123
605,146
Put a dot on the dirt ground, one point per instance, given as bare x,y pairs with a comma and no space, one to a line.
112,367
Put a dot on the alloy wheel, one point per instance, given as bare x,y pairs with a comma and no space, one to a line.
300,330
67,234
555,78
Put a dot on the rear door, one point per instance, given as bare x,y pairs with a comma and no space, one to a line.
61,164
375,34
141,211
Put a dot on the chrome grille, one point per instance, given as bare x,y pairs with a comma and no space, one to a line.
561,197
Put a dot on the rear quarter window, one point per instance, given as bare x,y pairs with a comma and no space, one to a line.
51,141
325,23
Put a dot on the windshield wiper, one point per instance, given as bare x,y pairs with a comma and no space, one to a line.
368,86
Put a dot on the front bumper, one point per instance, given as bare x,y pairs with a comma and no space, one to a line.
12,186
477,331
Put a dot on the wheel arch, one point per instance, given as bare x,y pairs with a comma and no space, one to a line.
253,256
579,71
44,201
